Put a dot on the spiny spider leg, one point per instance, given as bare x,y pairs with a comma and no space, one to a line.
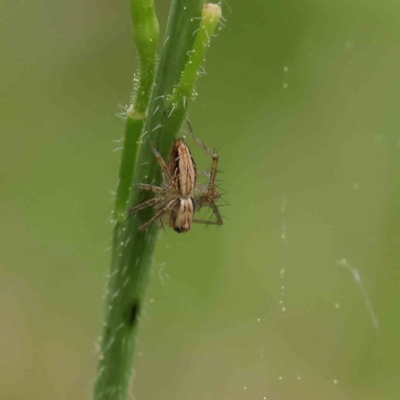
149,203
206,222
216,213
164,169
159,214
218,217
152,188
213,155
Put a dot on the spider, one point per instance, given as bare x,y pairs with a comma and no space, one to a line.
180,195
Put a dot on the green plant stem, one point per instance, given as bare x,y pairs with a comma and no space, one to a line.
184,92
145,33
132,250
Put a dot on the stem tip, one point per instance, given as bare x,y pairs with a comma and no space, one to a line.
211,10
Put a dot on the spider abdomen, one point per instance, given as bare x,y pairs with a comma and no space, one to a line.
181,215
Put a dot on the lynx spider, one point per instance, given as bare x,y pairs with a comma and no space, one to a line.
181,195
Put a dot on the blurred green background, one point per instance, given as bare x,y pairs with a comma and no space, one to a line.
303,98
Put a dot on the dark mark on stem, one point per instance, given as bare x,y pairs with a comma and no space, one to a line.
134,313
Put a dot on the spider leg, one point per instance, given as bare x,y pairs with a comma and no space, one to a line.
205,222
164,169
213,173
149,203
216,213
161,222
198,141
159,214
212,154
213,206
152,188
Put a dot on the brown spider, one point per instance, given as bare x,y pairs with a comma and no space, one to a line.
180,195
